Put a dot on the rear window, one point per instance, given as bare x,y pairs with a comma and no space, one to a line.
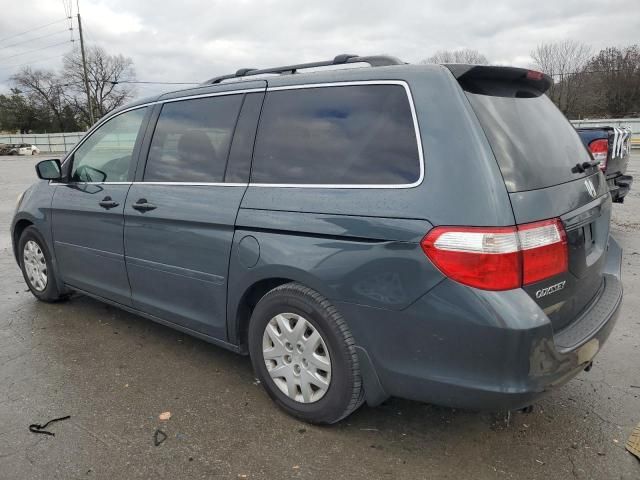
533,142
344,135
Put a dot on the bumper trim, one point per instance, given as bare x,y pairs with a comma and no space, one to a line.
580,331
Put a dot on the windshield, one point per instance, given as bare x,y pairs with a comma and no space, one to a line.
533,142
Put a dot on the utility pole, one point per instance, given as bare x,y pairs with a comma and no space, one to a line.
84,67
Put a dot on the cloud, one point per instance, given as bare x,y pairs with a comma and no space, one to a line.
192,40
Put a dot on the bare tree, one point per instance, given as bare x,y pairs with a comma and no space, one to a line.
108,77
44,87
565,63
614,82
465,55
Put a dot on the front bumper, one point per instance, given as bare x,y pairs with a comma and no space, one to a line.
468,348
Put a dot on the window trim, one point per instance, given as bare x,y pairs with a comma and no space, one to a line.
404,84
89,134
144,105
154,123
416,126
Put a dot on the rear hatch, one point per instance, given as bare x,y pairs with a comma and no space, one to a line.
537,150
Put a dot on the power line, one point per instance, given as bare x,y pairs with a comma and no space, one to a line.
36,50
32,29
33,61
34,38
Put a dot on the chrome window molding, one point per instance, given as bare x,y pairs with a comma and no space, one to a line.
194,184
156,102
188,184
402,83
357,186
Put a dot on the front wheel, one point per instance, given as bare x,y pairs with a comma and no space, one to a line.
304,354
36,266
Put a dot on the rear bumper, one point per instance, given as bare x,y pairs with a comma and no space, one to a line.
467,348
619,187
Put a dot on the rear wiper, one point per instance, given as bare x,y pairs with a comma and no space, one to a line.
582,167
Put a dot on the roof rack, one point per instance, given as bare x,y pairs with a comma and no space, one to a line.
372,60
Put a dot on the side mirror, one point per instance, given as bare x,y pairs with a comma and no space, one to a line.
49,169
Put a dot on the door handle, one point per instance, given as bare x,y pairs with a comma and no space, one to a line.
143,206
108,203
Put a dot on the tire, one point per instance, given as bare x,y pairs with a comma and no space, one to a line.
38,258
340,391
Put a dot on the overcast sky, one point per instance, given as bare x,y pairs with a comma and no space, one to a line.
192,40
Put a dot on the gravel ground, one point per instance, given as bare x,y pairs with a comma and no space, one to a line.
114,373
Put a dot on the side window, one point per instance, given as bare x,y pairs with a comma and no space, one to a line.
343,135
106,155
191,140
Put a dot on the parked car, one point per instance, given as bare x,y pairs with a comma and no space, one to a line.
611,146
22,149
418,231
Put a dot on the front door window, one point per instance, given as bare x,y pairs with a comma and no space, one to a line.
106,155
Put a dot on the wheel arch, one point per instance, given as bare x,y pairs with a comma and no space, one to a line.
241,305
19,227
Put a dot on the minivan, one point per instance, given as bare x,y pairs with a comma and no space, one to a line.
432,232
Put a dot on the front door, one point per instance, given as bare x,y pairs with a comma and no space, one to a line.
88,210
180,215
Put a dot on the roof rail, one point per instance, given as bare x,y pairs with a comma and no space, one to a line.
373,60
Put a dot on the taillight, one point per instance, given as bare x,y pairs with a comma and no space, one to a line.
534,75
499,258
599,149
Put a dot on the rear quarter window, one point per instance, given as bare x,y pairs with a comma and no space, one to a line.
337,135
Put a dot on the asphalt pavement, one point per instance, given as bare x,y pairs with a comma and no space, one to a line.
114,373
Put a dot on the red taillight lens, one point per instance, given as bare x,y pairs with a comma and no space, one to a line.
544,250
499,258
485,258
599,149
534,75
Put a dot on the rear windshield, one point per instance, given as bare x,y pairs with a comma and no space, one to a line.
534,143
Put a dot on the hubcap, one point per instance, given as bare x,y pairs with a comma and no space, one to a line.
35,265
296,357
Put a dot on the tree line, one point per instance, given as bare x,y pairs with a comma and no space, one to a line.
585,84
56,101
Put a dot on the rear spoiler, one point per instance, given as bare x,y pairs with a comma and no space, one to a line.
471,77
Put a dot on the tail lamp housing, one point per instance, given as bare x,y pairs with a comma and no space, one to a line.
499,258
599,149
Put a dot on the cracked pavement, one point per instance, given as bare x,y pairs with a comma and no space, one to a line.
114,373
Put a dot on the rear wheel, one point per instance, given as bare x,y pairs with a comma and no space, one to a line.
303,353
36,265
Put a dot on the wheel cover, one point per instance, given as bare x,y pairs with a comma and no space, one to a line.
35,265
296,357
